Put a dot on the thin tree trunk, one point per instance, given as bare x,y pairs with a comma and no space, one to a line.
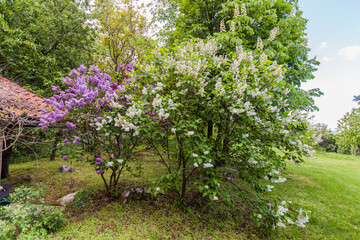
6,155
183,187
210,129
57,139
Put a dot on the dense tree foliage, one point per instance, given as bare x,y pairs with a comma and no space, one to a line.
254,131
276,26
219,102
328,138
342,147
41,41
349,126
122,30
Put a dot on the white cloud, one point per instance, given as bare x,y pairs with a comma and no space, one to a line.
323,45
350,52
326,59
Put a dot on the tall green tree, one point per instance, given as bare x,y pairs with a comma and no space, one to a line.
349,126
123,28
41,41
247,23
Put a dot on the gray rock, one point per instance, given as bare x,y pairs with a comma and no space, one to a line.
67,199
64,168
25,178
133,192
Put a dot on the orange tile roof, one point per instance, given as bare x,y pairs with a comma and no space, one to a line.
19,102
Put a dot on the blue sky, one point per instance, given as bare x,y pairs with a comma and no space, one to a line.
334,37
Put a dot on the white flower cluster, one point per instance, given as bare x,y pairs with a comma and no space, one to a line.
306,148
208,165
232,26
254,162
163,115
237,11
260,45
301,219
243,10
281,210
263,58
219,60
187,67
222,26
157,101
159,86
109,164
240,88
132,112
115,105
124,124
100,124
202,85
218,86
209,48
279,180
190,133
237,111
183,92
273,33
293,11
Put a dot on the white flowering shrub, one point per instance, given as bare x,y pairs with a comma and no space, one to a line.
221,119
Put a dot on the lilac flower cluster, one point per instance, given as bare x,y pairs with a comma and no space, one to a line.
84,88
125,68
98,161
88,94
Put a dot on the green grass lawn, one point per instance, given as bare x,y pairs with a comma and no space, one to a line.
329,186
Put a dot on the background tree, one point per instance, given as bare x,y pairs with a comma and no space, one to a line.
328,138
248,23
349,126
122,27
41,41
342,147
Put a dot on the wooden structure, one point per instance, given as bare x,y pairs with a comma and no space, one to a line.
19,108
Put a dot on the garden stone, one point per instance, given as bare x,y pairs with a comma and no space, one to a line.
132,192
25,178
64,168
67,199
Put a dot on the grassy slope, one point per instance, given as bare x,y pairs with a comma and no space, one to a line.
329,186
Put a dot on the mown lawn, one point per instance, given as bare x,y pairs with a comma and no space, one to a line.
329,186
